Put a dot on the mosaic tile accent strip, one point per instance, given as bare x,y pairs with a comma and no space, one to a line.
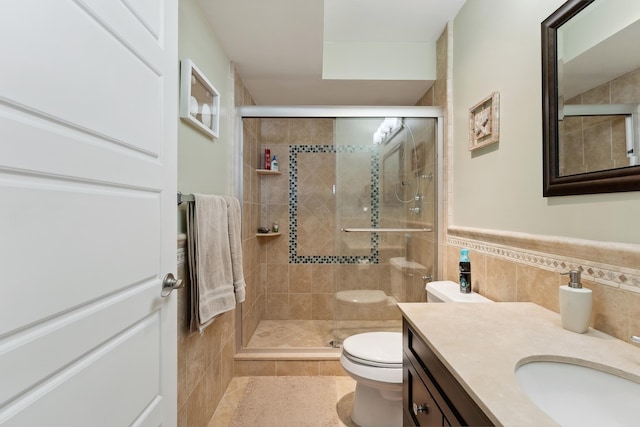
294,258
595,272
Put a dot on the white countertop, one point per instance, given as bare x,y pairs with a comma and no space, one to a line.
482,344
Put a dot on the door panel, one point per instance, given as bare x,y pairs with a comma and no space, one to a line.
115,400
94,323
38,144
110,86
88,141
86,242
149,12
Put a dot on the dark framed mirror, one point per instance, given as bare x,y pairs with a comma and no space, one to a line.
590,99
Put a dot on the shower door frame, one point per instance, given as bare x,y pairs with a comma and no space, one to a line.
307,111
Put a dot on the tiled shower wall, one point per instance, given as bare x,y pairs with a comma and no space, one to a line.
302,271
590,144
295,291
254,270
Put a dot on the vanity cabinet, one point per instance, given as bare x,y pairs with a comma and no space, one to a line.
431,395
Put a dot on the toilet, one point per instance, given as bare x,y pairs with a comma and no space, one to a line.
374,360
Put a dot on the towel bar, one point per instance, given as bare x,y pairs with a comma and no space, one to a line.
185,198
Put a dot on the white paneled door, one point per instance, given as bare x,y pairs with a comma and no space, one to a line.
88,107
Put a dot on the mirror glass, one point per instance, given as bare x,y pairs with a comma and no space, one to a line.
591,97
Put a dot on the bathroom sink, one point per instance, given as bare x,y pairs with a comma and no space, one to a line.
575,395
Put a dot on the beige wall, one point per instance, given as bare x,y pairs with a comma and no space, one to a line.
497,48
520,242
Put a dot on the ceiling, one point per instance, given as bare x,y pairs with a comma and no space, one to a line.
277,45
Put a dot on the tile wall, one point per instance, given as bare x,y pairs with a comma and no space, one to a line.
255,272
510,266
296,291
424,245
206,362
306,268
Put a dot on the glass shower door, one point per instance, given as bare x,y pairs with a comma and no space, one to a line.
305,283
385,184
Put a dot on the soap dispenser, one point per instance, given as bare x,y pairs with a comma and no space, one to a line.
575,304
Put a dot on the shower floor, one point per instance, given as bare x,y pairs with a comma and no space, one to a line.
313,333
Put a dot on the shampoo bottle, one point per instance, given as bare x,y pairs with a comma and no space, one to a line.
465,272
274,163
267,158
575,304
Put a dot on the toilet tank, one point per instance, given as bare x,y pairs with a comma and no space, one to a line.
447,291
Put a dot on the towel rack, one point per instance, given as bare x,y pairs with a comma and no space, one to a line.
386,230
185,198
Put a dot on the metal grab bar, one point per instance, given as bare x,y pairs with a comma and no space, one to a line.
386,230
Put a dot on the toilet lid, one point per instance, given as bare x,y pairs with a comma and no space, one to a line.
375,348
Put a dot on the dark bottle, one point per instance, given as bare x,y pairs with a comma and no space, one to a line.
465,272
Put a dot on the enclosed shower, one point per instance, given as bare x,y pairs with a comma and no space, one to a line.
355,203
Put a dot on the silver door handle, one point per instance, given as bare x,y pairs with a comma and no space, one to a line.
169,283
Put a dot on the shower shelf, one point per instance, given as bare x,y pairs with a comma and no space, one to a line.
267,172
269,234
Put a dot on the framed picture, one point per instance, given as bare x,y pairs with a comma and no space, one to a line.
199,99
484,122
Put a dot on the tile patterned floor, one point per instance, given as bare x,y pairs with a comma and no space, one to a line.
291,334
302,334
345,387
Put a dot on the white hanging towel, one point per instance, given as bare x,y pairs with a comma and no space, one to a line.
214,252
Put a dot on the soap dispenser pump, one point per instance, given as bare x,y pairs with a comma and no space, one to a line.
575,304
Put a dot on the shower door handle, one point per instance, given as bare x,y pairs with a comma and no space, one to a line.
385,230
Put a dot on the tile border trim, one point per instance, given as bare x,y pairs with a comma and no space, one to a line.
294,258
602,273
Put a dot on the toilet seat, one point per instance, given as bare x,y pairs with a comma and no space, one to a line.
378,349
